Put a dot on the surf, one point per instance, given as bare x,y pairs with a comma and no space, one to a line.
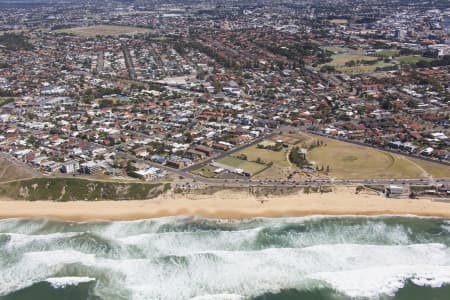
189,258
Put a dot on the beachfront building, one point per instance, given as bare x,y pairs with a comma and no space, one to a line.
394,191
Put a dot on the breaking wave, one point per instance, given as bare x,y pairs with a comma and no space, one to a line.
186,258
61,282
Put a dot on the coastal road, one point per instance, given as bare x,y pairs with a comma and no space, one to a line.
248,182
264,183
317,183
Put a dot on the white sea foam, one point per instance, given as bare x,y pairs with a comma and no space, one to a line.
219,297
21,240
355,270
37,266
128,228
386,280
184,243
62,282
22,226
226,265
446,226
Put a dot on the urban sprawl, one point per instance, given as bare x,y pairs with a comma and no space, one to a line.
160,89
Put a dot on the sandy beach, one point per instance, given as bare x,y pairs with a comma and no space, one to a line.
227,204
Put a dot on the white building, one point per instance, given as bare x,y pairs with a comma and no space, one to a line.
70,167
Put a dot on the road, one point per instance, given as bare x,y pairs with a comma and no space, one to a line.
232,151
128,62
266,183
246,182
317,183
185,173
100,61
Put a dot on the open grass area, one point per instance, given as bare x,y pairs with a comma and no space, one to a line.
339,21
274,164
12,31
339,62
6,100
412,60
341,59
335,49
267,156
93,31
159,38
280,168
67,189
247,166
205,171
434,169
363,68
387,53
348,161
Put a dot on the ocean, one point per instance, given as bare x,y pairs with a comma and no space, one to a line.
308,258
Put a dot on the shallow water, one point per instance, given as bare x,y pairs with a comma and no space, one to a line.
184,258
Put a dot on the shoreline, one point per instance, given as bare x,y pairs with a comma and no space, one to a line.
226,205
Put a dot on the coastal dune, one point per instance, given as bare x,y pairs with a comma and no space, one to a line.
226,204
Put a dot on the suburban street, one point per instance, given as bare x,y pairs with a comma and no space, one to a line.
185,175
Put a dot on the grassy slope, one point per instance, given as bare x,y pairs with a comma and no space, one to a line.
65,189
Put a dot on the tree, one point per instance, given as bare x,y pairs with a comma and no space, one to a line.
328,69
32,140
243,157
130,169
188,138
106,103
386,104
